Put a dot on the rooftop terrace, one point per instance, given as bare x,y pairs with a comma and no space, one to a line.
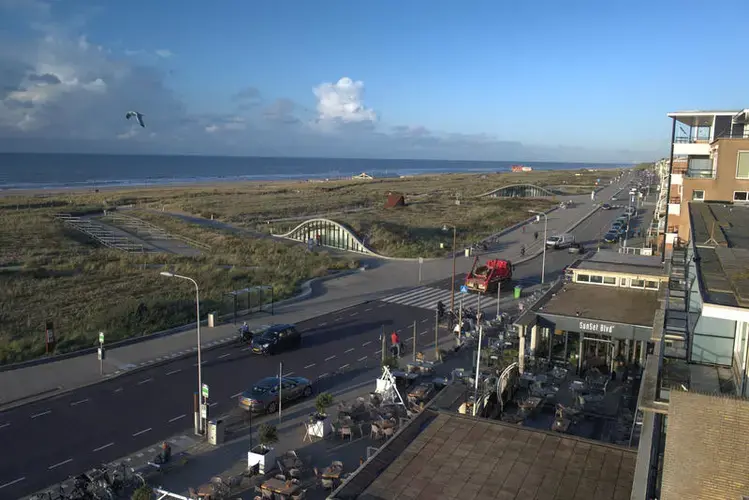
720,234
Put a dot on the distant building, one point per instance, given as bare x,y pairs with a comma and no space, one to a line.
521,168
395,200
709,161
362,177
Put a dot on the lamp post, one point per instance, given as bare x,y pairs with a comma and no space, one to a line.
445,227
543,259
199,423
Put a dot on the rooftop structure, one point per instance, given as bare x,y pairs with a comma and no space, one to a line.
446,456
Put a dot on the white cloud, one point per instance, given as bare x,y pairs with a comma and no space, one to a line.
342,101
164,53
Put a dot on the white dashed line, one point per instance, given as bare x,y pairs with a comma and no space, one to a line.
378,351
41,414
4,425
76,403
362,358
309,366
212,405
288,374
425,320
144,381
324,375
236,395
343,367
224,355
176,418
118,390
367,309
352,315
61,463
103,447
348,350
246,349
399,331
141,432
332,357
11,483
323,324
381,305
173,372
336,319
365,344
423,333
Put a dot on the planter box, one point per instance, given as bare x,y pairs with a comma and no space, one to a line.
320,428
266,457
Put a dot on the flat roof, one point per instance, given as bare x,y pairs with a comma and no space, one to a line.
720,236
696,112
604,303
623,263
456,456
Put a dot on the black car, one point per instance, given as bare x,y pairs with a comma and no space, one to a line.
611,237
606,206
275,339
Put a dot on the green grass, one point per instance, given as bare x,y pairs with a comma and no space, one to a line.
48,272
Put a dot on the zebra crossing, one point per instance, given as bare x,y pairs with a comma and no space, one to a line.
427,298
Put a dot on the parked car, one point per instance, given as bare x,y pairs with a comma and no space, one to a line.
575,248
263,396
275,339
611,237
606,206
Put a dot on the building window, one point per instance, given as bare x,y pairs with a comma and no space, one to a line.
698,195
742,165
596,279
741,196
637,283
583,278
609,280
624,282
651,285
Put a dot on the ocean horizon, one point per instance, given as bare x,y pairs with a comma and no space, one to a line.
68,170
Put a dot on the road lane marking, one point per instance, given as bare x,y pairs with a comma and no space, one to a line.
343,367
348,350
288,374
103,447
61,463
323,375
381,305
76,403
11,483
423,333
246,349
41,414
365,344
224,355
141,432
174,371
118,390
332,357
236,395
4,425
425,320
367,309
323,324
362,358
309,366
378,351
176,418
399,330
212,405
352,315
144,381
337,319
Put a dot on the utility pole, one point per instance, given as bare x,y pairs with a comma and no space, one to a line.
280,388
478,371
413,350
382,341
436,335
499,291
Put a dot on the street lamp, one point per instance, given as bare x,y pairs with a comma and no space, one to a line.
543,260
445,227
199,423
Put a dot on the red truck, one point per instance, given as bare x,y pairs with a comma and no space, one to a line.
486,278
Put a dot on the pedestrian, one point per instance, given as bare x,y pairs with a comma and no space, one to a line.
535,236
396,344
522,251
523,229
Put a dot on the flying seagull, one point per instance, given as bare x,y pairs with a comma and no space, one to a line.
138,116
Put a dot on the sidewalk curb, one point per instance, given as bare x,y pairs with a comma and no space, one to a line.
304,294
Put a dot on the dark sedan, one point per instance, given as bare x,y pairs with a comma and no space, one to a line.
275,339
263,397
611,237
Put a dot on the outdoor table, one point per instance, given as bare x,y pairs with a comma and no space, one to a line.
283,488
419,392
332,472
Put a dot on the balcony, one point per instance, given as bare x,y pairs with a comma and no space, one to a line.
700,168
675,199
689,147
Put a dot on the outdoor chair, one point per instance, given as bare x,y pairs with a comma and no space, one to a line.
388,432
327,483
375,432
337,463
346,431
300,496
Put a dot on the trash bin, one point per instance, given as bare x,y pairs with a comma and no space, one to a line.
517,292
468,252
211,320
216,431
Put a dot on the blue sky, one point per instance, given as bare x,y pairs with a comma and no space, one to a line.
580,80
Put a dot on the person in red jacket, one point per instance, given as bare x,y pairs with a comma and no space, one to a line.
395,344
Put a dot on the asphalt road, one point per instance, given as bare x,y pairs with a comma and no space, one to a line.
47,441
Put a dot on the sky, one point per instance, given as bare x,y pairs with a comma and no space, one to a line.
583,80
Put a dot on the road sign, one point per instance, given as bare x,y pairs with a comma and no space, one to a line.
463,289
205,391
204,411
421,260
101,337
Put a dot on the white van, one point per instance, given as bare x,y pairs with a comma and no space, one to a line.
559,241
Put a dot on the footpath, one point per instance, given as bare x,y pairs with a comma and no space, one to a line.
30,383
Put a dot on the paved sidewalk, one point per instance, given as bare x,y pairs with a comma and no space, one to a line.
387,277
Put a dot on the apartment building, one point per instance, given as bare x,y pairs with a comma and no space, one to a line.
709,161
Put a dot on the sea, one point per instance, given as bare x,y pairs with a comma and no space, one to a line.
76,171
